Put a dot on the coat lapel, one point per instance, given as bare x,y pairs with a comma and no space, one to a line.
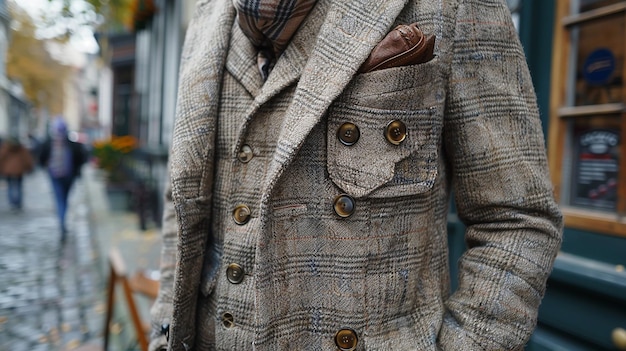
349,33
202,67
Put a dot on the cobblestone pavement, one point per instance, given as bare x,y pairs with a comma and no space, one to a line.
50,294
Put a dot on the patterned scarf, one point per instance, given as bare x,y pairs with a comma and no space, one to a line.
270,24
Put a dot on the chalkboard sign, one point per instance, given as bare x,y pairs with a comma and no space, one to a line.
596,166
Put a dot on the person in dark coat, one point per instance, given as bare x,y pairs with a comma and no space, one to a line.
63,159
15,161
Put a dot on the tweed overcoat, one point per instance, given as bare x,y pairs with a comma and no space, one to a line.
380,276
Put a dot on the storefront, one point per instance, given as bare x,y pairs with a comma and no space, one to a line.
586,301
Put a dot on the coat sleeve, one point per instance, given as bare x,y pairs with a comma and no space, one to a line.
494,145
161,310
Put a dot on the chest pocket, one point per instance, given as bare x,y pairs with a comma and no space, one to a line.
384,132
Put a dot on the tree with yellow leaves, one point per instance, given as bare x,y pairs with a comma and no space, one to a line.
100,15
29,62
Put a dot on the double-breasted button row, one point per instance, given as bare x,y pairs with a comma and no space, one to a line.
241,215
395,133
346,340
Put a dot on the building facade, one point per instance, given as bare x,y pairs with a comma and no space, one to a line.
14,109
4,82
138,89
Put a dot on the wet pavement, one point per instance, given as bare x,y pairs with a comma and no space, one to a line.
52,295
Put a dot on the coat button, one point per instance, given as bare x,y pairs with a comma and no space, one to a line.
228,320
241,214
245,154
346,340
344,205
395,132
234,273
348,134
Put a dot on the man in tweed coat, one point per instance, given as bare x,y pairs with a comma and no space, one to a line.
308,211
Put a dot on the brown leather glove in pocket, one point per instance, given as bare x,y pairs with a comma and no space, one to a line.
405,45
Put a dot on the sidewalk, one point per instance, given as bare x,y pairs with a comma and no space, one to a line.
52,296
119,228
140,250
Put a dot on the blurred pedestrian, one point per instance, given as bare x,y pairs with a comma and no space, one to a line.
15,161
63,160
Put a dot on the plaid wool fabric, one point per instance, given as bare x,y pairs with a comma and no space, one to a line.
271,23
382,274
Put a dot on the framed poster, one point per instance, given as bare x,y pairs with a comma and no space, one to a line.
595,168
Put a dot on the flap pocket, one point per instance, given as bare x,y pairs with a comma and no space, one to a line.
394,133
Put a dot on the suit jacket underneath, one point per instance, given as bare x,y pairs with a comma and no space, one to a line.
380,274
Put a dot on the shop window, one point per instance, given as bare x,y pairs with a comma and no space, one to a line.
599,60
588,114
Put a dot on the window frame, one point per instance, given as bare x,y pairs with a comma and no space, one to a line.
567,18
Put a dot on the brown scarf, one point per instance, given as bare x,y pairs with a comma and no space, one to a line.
270,24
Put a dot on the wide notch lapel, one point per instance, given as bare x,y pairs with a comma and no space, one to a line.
349,33
202,68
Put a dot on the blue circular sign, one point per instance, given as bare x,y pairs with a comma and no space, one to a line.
599,67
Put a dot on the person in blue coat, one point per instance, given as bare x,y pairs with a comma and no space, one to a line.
63,160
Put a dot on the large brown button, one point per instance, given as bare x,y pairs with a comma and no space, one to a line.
234,273
228,320
241,214
395,132
344,205
346,340
348,134
245,154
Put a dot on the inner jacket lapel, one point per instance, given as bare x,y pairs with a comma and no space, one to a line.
288,68
345,40
241,62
